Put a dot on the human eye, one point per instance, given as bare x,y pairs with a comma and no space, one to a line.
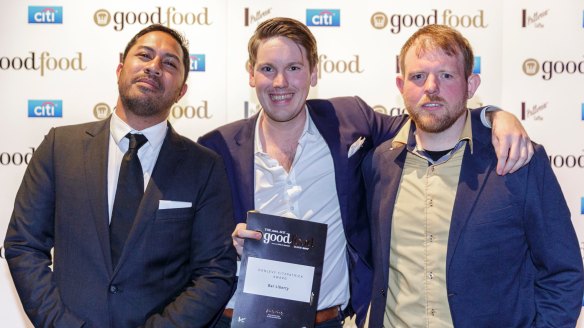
416,76
143,55
447,76
266,69
294,68
171,63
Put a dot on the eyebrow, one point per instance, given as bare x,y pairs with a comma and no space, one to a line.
167,54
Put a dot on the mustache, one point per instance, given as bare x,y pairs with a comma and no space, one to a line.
150,79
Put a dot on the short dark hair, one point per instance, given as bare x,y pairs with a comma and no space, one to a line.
180,39
286,27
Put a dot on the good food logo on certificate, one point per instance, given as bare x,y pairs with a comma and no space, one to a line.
279,280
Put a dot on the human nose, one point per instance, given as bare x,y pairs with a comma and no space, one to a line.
153,67
431,85
280,81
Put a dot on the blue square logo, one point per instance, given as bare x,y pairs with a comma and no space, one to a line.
582,205
323,17
45,15
197,62
477,65
45,108
582,111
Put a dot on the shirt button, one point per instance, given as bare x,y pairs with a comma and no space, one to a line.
114,289
433,312
431,275
430,203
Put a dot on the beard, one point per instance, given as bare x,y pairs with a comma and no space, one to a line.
144,104
431,122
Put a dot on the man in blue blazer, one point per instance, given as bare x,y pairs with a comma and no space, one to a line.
301,159
176,267
455,244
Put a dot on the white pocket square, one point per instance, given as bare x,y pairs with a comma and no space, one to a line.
168,204
356,146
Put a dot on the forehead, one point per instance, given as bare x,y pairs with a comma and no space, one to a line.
281,48
159,41
422,56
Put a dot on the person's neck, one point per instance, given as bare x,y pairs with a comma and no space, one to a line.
444,140
137,122
280,139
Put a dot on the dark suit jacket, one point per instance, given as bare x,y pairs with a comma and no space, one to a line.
177,267
340,121
513,258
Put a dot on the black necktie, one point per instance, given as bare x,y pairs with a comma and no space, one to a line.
128,196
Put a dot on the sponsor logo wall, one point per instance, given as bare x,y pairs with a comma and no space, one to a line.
58,61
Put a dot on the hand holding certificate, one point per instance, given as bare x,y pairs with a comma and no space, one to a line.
280,274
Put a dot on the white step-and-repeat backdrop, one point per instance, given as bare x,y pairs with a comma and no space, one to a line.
58,61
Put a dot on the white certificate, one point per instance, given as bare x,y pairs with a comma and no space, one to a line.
279,279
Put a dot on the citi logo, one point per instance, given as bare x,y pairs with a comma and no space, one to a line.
45,108
533,19
476,69
323,17
45,15
197,62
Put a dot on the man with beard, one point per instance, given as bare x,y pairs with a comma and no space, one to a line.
138,217
301,159
455,244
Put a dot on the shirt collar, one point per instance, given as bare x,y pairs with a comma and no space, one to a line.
155,134
309,128
406,136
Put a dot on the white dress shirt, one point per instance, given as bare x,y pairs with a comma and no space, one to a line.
307,192
118,145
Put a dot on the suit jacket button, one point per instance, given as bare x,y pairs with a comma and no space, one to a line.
383,292
113,289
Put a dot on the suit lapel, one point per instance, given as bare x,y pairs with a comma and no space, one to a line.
391,160
95,145
473,174
243,154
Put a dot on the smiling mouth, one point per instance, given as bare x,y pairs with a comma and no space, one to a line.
432,105
281,96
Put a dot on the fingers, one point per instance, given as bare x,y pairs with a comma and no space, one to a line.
525,154
240,234
502,151
513,153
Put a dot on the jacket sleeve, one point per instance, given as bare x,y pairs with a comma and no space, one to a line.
554,247
30,239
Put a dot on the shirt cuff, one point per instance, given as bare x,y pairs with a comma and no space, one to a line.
488,108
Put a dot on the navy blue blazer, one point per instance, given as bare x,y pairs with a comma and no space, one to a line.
178,265
513,258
